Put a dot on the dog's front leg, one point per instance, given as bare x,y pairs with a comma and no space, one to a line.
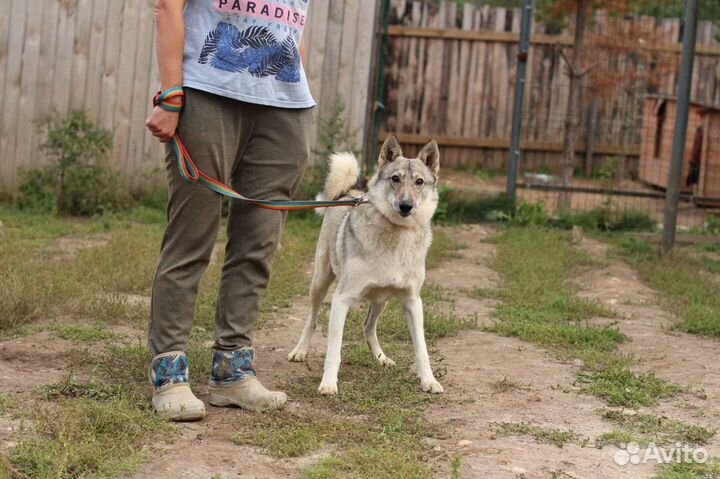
338,312
414,317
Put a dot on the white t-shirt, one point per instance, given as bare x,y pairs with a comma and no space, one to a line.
247,50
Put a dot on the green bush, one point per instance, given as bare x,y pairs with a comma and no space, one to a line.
35,194
607,219
77,181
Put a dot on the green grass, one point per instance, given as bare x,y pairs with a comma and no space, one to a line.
85,437
98,391
325,469
39,282
73,332
556,437
538,297
282,434
455,467
443,248
539,304
644,429
683,288
710,264
6,402
620,386
707,247
375,424
691,470
98,428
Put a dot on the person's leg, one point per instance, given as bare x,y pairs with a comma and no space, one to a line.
193,220
269,167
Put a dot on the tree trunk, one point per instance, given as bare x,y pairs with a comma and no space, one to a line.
574,108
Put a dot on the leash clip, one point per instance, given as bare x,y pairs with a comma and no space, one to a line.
359,200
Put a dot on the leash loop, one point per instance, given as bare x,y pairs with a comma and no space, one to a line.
174,100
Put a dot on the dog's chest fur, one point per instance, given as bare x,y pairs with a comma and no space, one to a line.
371,249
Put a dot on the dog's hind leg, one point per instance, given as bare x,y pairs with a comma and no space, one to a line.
338,312
414,317
370,327
322,279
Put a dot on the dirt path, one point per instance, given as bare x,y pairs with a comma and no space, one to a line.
541,392
490,380
682,358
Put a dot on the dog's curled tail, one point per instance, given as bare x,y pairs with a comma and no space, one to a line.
342,175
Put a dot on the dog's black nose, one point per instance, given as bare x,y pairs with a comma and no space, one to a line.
405,208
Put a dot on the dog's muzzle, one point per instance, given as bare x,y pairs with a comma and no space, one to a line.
406,209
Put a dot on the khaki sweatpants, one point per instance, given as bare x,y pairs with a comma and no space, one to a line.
261,152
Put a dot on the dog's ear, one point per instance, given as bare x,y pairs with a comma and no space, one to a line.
430,155
390,151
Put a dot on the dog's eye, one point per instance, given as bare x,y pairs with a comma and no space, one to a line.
395,179
420,182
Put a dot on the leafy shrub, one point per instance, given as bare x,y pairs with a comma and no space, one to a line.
712,225
609,169
456,207
35,195
607,219
76,181
530,214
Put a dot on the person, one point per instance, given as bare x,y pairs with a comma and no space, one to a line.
245,122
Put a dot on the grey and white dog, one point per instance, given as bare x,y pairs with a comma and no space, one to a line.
377,251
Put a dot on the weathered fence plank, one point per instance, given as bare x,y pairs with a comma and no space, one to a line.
11,91
98,55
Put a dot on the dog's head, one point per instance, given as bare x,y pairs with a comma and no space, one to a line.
405,189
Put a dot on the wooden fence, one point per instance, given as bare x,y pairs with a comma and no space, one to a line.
98,55
451,75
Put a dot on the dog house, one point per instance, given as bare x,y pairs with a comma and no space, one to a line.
701,165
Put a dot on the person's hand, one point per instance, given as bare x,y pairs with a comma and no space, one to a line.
162,123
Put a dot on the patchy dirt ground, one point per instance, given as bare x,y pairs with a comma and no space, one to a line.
477,361
546,397
544,392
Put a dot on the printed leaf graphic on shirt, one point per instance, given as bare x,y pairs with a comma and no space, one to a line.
255,49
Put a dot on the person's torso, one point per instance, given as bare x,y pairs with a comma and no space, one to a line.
247,50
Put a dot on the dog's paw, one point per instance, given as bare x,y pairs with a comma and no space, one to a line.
328,389
297,355
432,387
384,360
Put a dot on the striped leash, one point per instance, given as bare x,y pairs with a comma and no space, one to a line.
173,100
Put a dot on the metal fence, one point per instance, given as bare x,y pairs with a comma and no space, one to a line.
451,76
